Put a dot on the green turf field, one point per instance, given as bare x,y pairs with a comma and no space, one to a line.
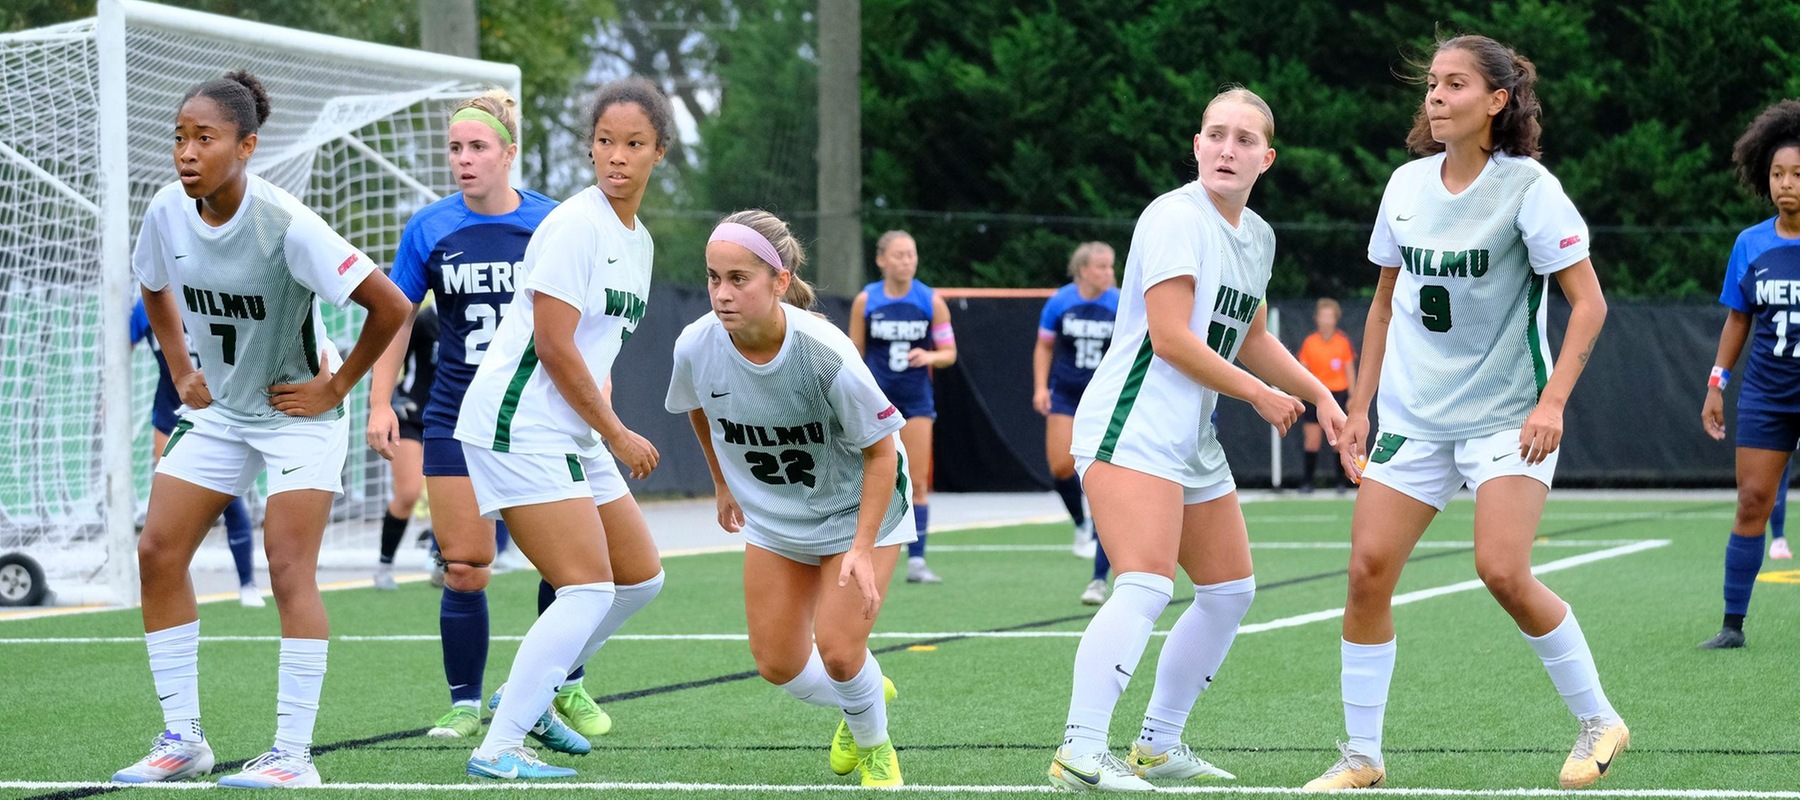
983,667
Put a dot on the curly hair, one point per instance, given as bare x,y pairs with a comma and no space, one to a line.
646,95
1515,129
1776,127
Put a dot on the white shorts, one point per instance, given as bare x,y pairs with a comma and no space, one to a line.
1190,495
226,458
905,532
1433,472
510,480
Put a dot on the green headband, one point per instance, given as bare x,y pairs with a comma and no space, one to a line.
483,117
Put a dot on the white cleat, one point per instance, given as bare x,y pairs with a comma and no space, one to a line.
1094,772
249,597
1179,763
1095,593
275,770
1085,543
384,578
917,572
171,759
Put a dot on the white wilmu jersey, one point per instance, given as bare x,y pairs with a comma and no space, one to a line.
1467,350
583,255
248,292
789,434
1139,411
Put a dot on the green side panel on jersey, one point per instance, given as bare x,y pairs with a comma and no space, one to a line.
1386,445
181,429
1134,380
509,405
309,341
575,473
902,484
1534,339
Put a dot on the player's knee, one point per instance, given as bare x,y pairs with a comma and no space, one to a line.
1754,504
777,669
1369,577
1062,469
1506,582
842,659
156,562
288,573
466,578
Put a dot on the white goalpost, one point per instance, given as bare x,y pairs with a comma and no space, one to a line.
357,132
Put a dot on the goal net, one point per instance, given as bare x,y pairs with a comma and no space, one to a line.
86,139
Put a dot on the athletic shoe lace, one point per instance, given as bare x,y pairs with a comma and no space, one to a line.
1591,730
1115,766
1344,763
877,763
524,754
273,758
581,707
163,745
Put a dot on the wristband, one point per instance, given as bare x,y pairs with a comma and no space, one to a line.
1720,378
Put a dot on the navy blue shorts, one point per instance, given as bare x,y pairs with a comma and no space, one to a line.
163,419
1768,430
1064,399
444,458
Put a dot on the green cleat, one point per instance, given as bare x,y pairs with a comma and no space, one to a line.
578,708
461,723
843,746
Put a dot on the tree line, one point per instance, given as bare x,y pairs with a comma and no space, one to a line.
1004,133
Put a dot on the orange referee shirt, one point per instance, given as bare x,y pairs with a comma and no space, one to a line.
1329,361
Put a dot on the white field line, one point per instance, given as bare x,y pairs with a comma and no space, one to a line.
1464,586
1285,622
1555,516
1254,545
779,788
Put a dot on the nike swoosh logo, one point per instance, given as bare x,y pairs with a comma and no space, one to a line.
448,256
1122,671
167,696
1209,679
181,256
1091,779
717,395
611,260
511,773
291,469
457,686
860,711
1763,270
1404,218
1602,765
1502,455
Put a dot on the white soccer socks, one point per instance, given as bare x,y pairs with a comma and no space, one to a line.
812,686
1368,669
1191,657
300,676
1109,652
865,710
1570,663
544,659
175,668
627,602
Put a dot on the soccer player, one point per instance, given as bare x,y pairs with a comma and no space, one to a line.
1073,332
408,407
1467,239
164,409
468,251
902,328
1154,471
1328,355
243,264
805,463
536,414
1764,263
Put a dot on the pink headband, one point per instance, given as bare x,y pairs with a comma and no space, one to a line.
746,237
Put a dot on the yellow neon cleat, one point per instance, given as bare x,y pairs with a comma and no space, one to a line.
843,745
578,708
880,765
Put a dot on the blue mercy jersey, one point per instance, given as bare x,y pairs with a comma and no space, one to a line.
1082,329
473,263
896,325
1763,280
